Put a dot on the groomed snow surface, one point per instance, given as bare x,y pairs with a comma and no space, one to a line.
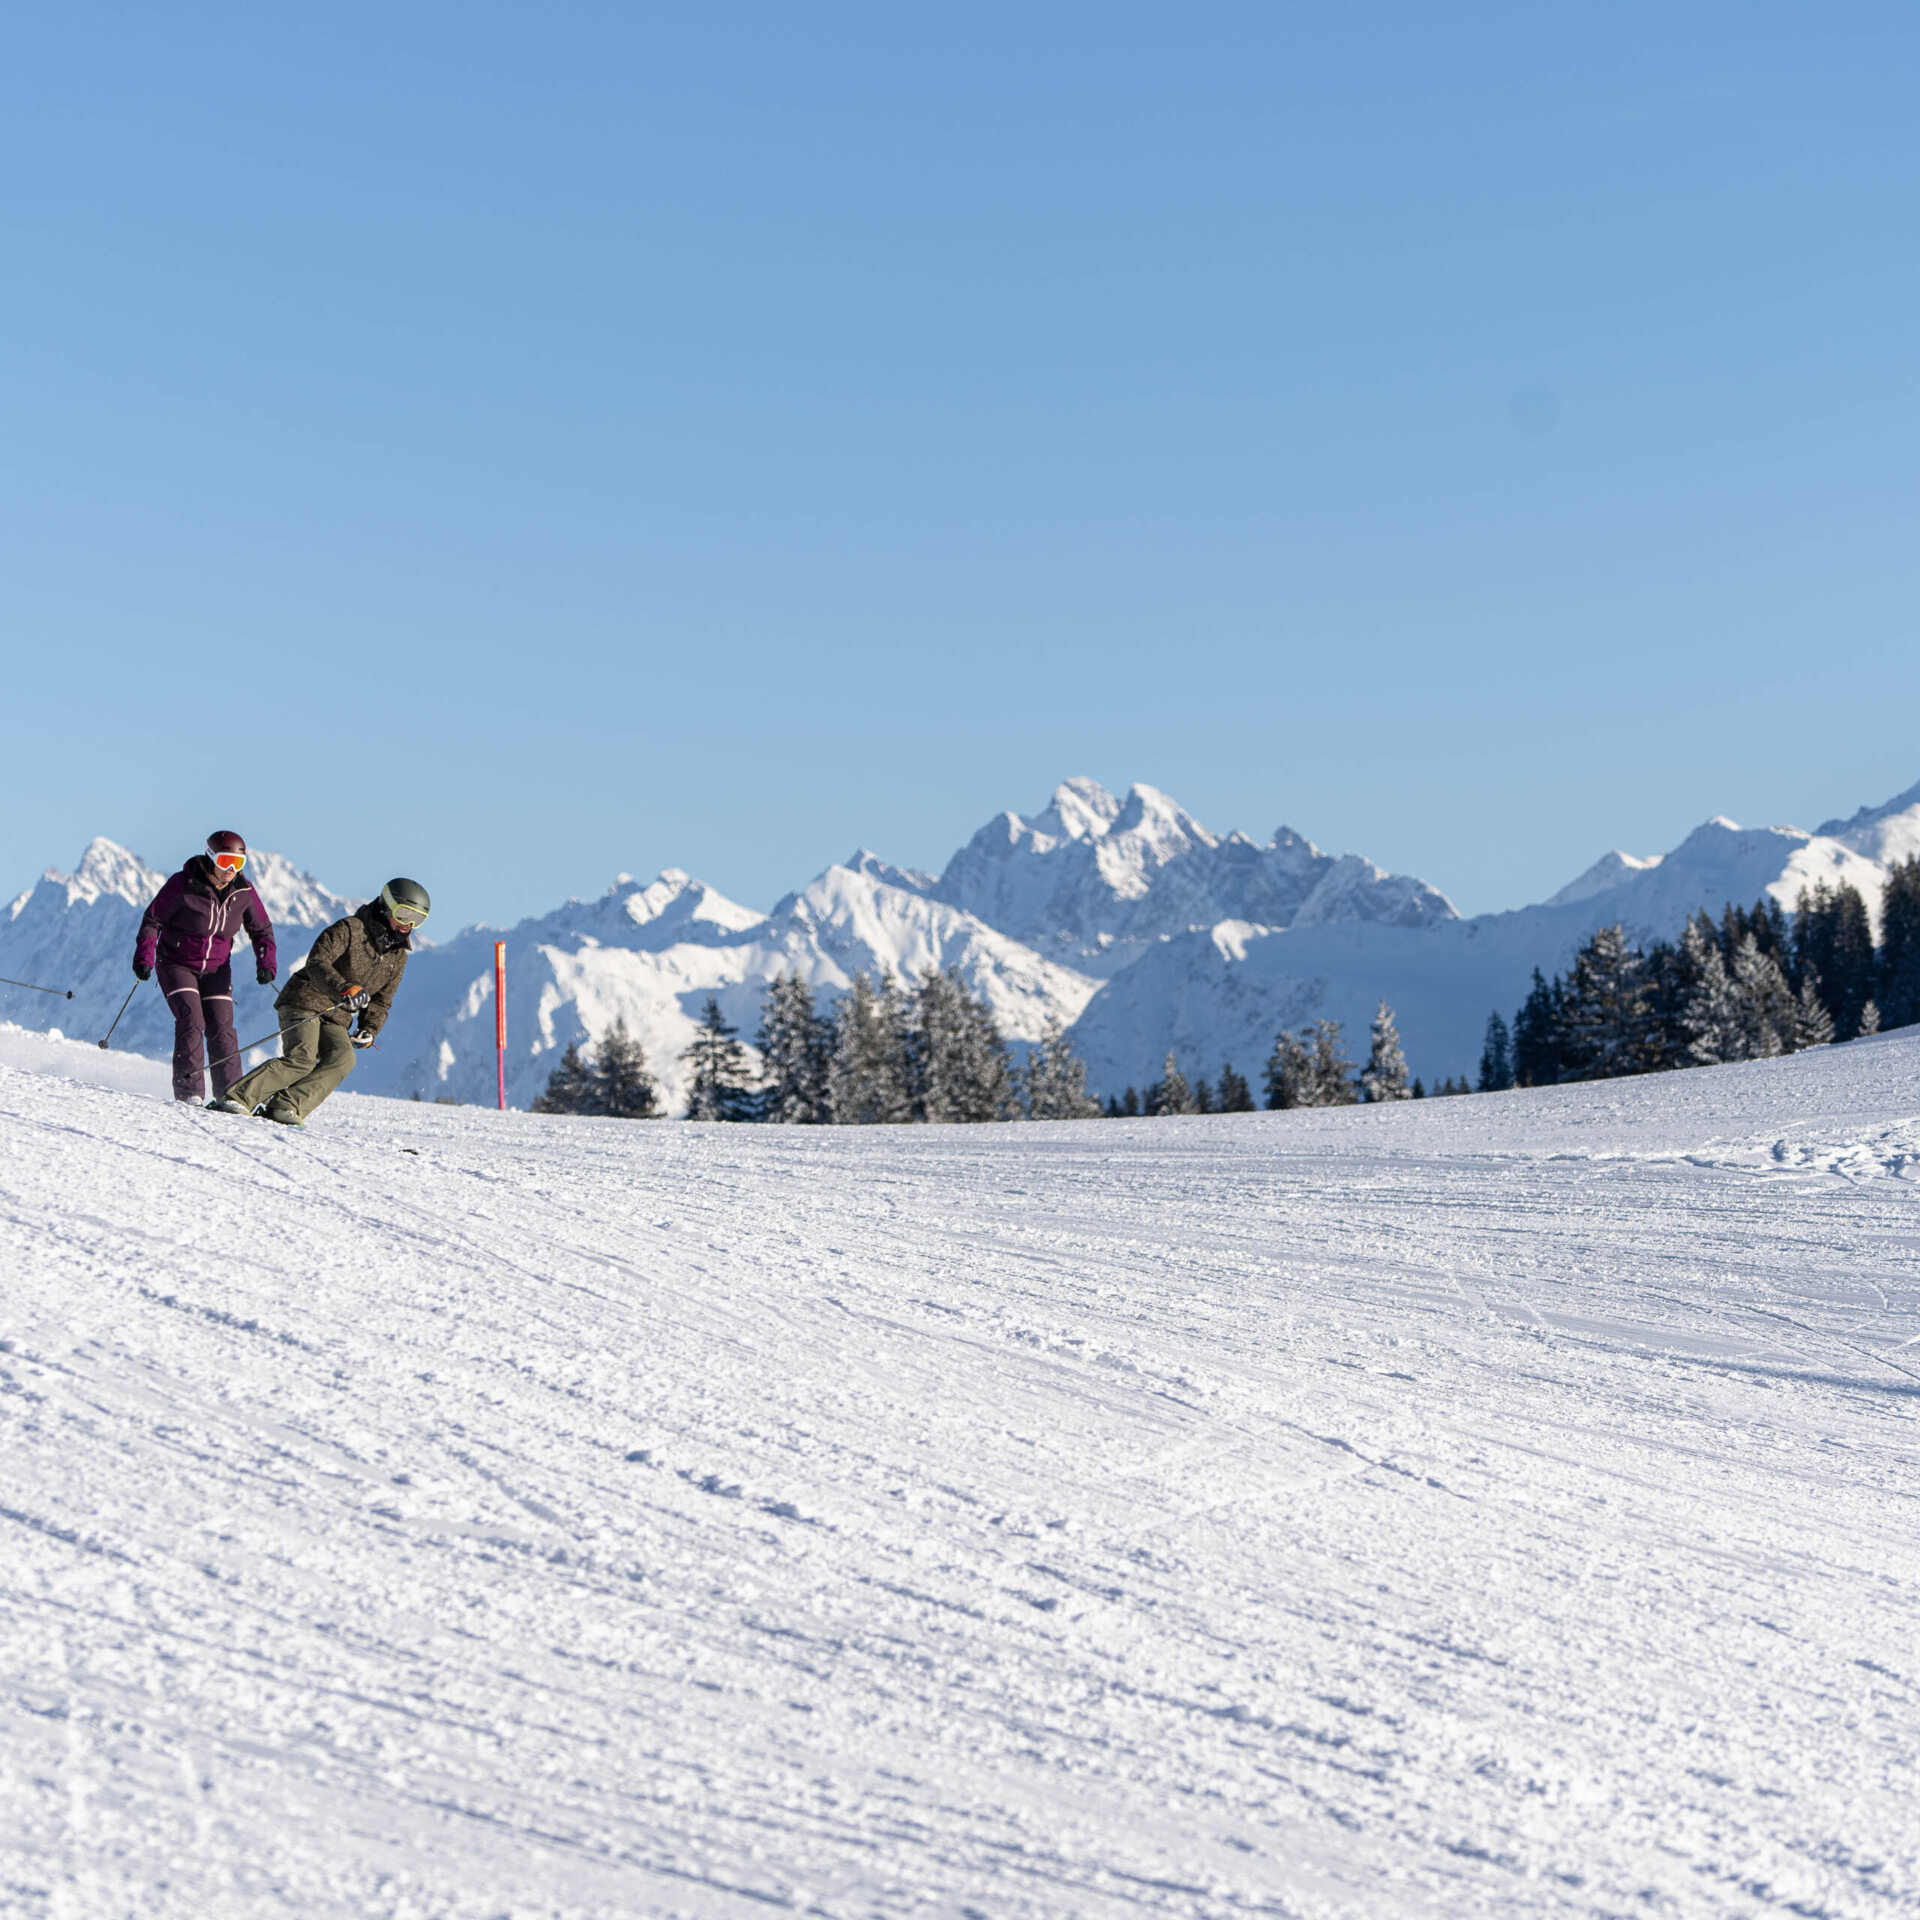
1492,1506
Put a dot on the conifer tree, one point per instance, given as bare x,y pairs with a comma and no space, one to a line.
796,1053
1235,1096
1608,1019
1812,1023
992,1091
1170,1094
867,1080
1332,1070
622,1089
1833,937
1385,1075
1734,928
957,1066
1054,1084
1289,1076
1668,982
1850,985
1496,1058
1869,1019
1812,930
1203,1100
1130,1104
1767,1006
1539,1034
1419,1091
937,1048
1899,992
1711,1017
721,1087
569,1085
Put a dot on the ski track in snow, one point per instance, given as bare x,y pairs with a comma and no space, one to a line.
1497,1506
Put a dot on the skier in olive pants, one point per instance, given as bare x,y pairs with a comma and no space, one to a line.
352,968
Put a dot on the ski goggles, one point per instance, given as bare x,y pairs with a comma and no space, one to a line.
229,862
403,915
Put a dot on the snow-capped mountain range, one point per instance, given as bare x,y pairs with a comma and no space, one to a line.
1137,925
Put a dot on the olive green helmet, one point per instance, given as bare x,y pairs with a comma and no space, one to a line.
406,902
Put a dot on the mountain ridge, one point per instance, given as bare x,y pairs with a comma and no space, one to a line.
1130,921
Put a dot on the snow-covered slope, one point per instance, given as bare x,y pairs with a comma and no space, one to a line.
1092,882
1881,834
1721,861
1488,1508
651,955
77,930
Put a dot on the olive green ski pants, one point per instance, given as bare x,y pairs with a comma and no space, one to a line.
315,1056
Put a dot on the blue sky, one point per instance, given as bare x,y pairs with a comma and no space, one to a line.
511,445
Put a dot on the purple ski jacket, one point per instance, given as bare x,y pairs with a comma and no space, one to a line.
193,923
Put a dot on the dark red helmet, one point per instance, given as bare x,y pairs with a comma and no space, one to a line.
227,851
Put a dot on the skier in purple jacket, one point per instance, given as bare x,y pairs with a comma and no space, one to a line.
186,937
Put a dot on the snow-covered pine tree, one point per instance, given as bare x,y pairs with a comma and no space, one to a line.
1869,1019
895,1006
1609,1019
1171,1093
937,1051
1234,1095
992,1091
569,1085
623,1089
1812,1023
867,1082
795,1053
1384,1077
1496,1057
1289,1076
1054,1085
1332,1070
1899,994
1767,1004
1711,1015
721,1087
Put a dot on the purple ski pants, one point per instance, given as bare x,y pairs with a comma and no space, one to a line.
202,1005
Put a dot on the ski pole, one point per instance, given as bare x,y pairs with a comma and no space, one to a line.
124,1005
31,988
247,1046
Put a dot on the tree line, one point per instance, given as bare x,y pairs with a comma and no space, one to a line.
1757,983
886,1053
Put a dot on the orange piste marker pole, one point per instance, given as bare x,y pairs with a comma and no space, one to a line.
500,1015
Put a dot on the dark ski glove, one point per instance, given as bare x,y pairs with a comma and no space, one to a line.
356,998
264,975
361,1039
142,972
